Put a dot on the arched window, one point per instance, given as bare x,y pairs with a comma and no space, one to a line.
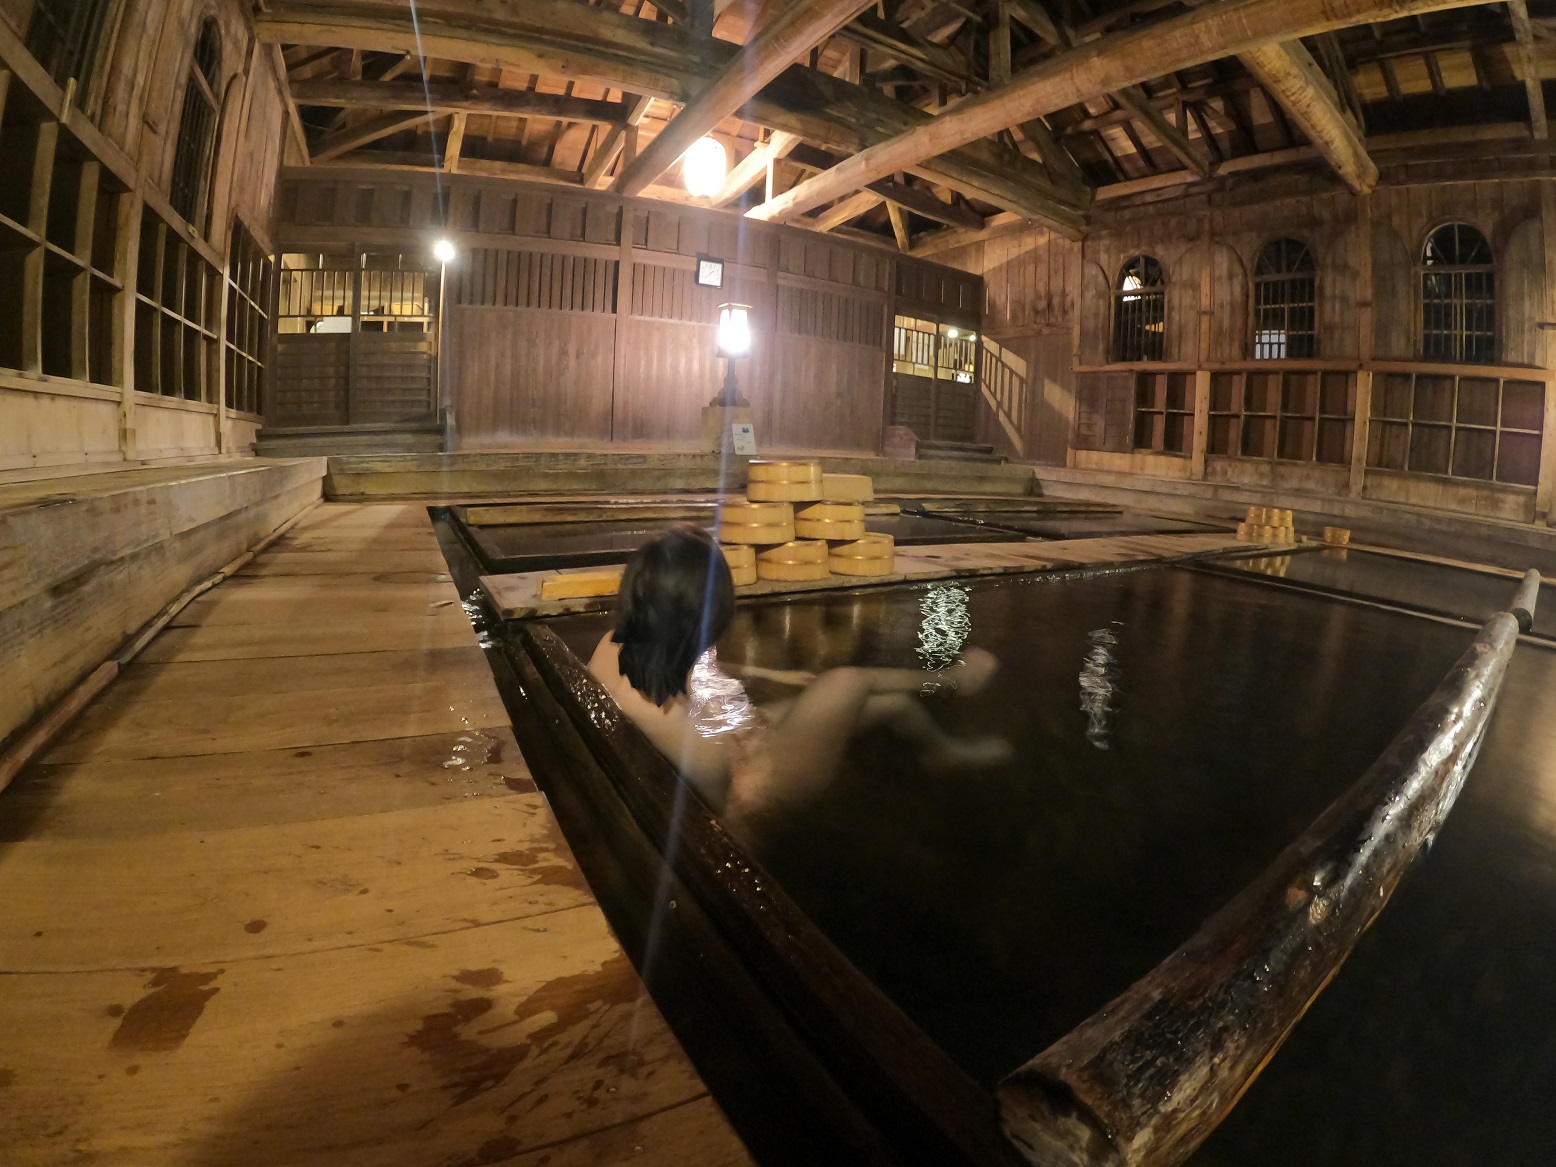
1284,286
1458,296
197,129
1138,310
63,36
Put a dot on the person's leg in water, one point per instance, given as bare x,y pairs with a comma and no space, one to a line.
806,743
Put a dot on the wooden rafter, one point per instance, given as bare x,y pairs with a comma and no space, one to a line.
850,208
1292,78
798,28
450,98
616,141
923,202
354,137
1529,66
753,167
1101,67
899,227
563,38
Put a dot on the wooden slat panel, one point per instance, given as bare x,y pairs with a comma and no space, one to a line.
516,375
308,384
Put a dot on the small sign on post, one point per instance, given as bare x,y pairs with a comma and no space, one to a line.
744,438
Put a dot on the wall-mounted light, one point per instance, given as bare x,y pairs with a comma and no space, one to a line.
734,342
952,333
443,251
703,168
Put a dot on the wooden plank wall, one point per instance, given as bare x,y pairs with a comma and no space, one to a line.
114,142
573,317
1049,303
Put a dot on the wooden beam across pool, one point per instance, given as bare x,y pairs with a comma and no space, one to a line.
517,596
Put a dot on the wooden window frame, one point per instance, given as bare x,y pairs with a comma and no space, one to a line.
68,50
1454,349
250,299
1135,346
1257,282
194,152
1409,437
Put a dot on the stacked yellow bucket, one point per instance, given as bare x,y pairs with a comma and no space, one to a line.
798,524
1267,525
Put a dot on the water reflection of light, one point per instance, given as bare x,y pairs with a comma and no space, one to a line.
717,701
1099,683
944,626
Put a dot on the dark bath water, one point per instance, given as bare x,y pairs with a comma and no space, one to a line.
535,546
1001,908
1430,587
1092,526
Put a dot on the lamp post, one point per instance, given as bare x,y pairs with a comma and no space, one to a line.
728,408
443,252
734,342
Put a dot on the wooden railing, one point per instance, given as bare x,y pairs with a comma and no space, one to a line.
1149,1076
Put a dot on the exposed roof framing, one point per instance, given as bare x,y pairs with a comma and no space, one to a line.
901,116
1091,70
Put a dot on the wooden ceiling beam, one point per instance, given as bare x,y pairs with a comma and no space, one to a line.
796,30
450,98
908,48
899,227
842,212
1293,79
923,202
1089,71
354,137
563,38
616,141
753,167
1529,66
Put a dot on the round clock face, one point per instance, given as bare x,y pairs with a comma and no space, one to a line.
710,274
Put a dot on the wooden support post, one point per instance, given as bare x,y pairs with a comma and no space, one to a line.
293,120
454,143
1545,491
615,143
81,284
899,227
126,264
1361,435
999,45
1200,439
1529,67
45,137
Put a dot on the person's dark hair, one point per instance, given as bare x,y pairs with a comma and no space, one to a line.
676,599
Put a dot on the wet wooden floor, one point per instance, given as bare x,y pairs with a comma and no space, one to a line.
286,895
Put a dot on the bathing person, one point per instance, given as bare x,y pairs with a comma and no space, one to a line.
676,600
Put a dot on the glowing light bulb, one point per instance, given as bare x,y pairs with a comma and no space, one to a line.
703,168
952,333
443,251
734,330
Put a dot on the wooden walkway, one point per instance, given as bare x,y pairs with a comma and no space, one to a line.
285,895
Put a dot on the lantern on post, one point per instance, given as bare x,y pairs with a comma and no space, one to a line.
734,342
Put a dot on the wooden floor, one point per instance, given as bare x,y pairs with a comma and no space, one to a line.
285,895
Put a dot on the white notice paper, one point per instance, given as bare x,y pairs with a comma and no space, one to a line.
745,437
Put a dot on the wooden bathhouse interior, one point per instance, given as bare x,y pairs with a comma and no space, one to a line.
1127,432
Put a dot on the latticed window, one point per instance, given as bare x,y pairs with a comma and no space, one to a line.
197,129
63,36
1284,289
395,294
248,319
1139,311
1458,296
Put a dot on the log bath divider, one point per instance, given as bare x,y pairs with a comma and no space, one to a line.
1144,1081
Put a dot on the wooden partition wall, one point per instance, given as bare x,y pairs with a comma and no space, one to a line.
1367,413
573,317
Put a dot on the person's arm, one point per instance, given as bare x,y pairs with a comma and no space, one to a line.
702,761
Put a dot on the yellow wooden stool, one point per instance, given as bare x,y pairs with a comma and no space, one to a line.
830,521
741,558
783,481
795,561
874,554
755,522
